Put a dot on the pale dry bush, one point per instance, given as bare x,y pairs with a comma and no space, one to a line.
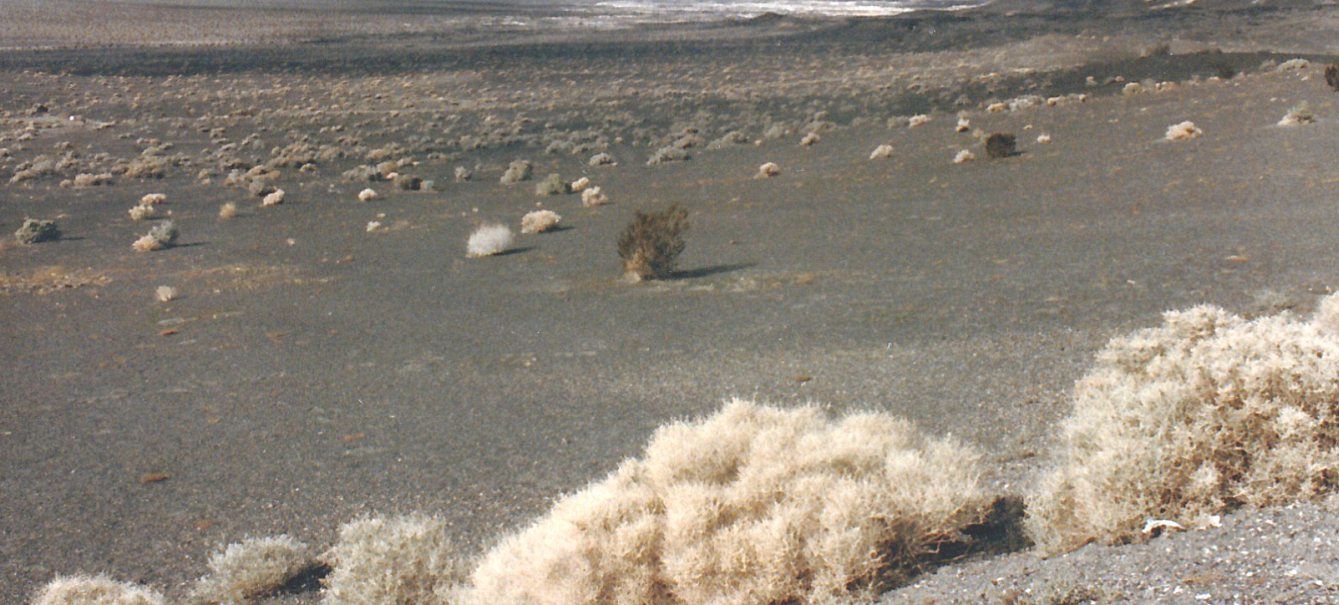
1183,131
753,505
391,561
882,151
249,569
95,590
488,240
1203,414
539,221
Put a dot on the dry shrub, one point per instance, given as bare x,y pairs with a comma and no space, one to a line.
250,569
1001,145
487,240
882,151
1183,131
227,210
651,243
593,197
1332,76
1206,413
34,231
1299,115
754,505
95,590
397,560
539,221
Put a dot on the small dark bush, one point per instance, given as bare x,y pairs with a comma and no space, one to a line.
652,242
1225,71
408,183
1158,50
1001,145
34,231
1332,76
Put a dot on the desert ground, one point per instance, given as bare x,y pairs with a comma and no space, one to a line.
325,357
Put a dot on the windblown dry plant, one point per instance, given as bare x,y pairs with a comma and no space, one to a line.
593,197
95,590
539,221
1299,115
754,505
249,569
1183,131
1203,414
650,245
487,240
163,235
399,560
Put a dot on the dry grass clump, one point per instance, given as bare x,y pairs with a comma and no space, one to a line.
274,198
95,590
142,211
165,294
601,159
1043,139
810,139
539,221
1299,115
1183,132
668,154
1293,64
250,569
768,170
367,195
753,505
488,240
553,185
593,197
163,235
1203,414
516,172
153,199
882,151
579,185
964,156
401,560
918,120
228,210
964,124
650,245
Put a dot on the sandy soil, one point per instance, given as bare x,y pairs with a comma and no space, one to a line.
312,370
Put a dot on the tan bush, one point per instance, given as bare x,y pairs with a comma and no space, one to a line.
400,560
539,221
95,590
1203,414
249,569
751,506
